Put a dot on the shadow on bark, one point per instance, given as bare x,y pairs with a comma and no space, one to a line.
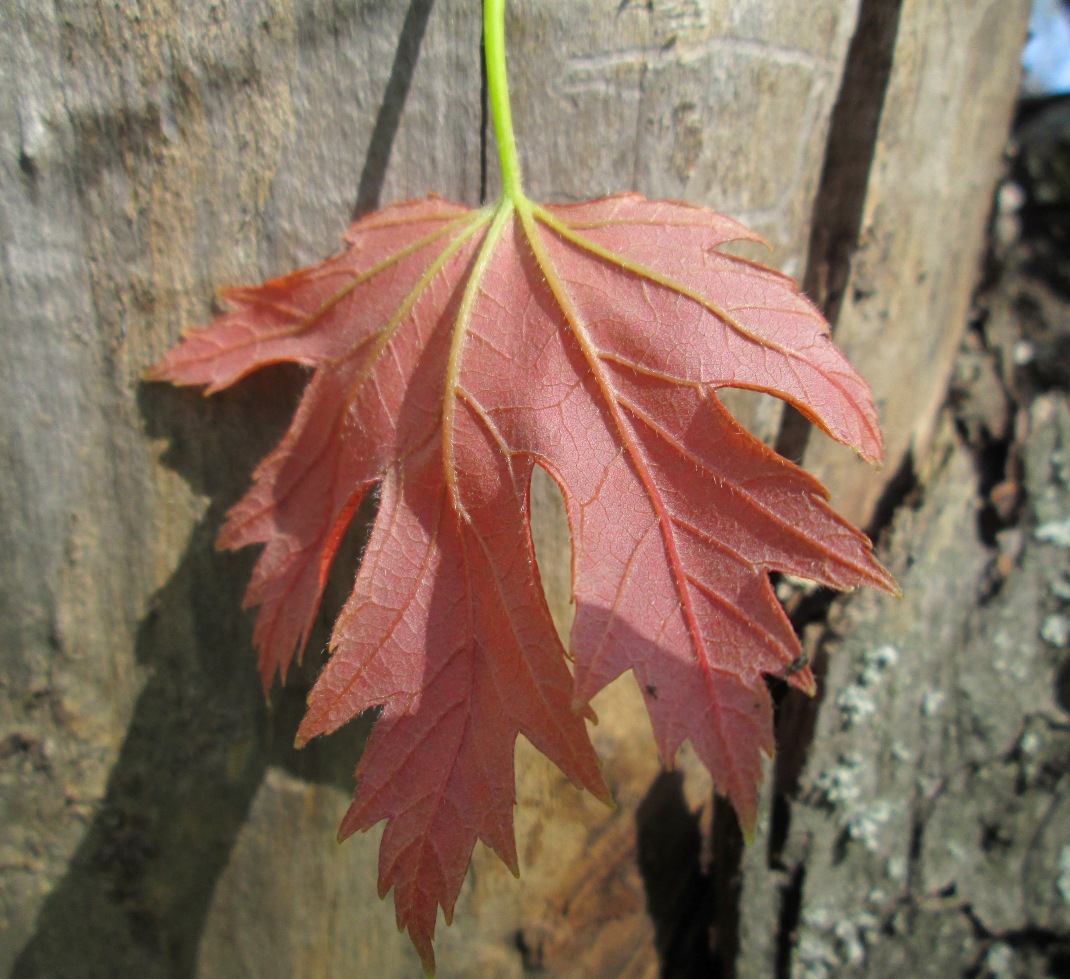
370,188
136,894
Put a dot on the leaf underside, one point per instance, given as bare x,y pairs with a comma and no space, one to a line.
452,351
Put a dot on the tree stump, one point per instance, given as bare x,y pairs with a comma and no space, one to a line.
156,821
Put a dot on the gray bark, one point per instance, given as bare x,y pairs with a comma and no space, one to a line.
928,831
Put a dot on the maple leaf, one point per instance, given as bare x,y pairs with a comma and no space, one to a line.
452,350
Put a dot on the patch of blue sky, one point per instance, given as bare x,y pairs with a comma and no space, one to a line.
1046,58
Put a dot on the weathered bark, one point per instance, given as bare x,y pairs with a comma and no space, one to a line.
927,832
155,821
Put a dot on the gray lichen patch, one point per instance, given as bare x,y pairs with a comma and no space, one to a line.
1055,630
859,700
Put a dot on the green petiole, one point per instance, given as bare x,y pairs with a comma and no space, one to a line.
498,89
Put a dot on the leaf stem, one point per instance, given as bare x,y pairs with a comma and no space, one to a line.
498,89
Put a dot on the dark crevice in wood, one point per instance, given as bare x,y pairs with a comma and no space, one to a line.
793,435
903,489
795,722
791,899
484,118
680,895
1050,946
984,399
373,175
727,890
779,827
836,226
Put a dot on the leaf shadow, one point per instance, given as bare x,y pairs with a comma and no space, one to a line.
372,176
137,892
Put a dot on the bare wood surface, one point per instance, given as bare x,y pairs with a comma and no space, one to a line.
900,284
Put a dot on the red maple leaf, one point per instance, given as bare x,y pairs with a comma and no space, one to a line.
452,351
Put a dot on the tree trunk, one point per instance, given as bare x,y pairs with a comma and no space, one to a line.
156,821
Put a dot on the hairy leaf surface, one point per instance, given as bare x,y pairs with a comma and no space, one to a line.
453,350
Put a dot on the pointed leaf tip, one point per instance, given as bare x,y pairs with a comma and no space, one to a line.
750,831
